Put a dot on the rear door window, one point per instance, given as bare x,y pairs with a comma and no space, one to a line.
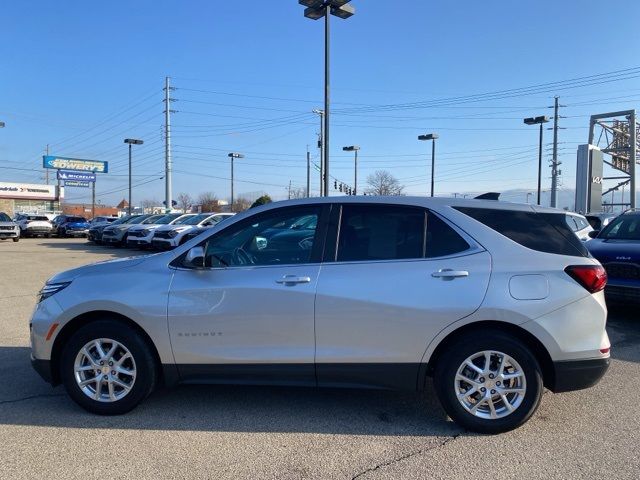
381,232
544,232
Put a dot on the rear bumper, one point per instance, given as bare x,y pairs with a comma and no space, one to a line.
578,374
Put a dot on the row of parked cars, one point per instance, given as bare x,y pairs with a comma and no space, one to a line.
160,232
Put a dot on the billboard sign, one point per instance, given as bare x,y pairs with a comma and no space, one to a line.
27,190
77,183
67,175
65,163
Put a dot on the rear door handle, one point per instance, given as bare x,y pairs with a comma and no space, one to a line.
449,274
293,279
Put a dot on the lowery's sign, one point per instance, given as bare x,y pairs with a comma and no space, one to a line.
27,190
64,163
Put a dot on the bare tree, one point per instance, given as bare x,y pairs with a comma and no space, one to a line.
148,204
184,202
300,192
382,182
240,204
209,202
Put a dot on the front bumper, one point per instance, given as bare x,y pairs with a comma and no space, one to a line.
578,374
112,238
77,233
43,367
9,233
37,231
163,244
139,241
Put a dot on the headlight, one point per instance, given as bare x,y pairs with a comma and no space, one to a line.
146,232
51,289
173,233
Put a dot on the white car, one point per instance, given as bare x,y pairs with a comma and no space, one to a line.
32,225
117,234
171,236
580,225
141,235
495,301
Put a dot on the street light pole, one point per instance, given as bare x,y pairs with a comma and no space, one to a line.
131,141
233,155
320,113
315,10
535,121
354,149
432,137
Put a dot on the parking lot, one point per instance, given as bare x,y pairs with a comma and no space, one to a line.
256,432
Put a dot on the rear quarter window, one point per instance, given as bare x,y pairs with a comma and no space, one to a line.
543,232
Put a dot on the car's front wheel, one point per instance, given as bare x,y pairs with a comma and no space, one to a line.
489,382
107,367
16,239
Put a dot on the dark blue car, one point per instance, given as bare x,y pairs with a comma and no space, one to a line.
617,247
70,226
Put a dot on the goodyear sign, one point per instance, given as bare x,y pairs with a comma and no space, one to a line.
51,161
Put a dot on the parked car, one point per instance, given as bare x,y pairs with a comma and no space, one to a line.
70,226
8,228
96,230
617,247
599,220
215,219
170,236
579,225
32,225
494,301
141,235
117,234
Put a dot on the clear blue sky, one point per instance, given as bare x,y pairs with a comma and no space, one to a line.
81,76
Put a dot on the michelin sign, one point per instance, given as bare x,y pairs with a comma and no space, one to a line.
64,163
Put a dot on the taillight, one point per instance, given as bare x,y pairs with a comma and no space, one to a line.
591,277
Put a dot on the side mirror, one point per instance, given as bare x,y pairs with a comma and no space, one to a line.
593,233
194,258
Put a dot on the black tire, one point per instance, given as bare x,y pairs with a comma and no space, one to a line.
146,370
466,346
16,239
62,233
47,235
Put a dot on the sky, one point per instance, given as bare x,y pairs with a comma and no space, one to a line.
82,76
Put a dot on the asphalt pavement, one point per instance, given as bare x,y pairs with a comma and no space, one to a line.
220,432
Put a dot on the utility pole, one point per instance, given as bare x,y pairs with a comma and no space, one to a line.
308,173
554,162
93,200
46,170
321,146
167,143
325,142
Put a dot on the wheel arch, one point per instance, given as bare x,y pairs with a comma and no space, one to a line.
86,318
529,340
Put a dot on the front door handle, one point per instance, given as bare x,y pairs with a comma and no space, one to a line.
449,274
293,279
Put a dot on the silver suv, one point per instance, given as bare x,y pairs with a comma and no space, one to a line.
494,301
8,228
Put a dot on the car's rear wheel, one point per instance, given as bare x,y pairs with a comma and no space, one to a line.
488,382
107,367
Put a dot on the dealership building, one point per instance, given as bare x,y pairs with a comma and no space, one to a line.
30,198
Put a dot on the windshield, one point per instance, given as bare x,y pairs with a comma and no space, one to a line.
136,219
151,219
625,227
37,218
4,217
167,219
183,220
197,219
